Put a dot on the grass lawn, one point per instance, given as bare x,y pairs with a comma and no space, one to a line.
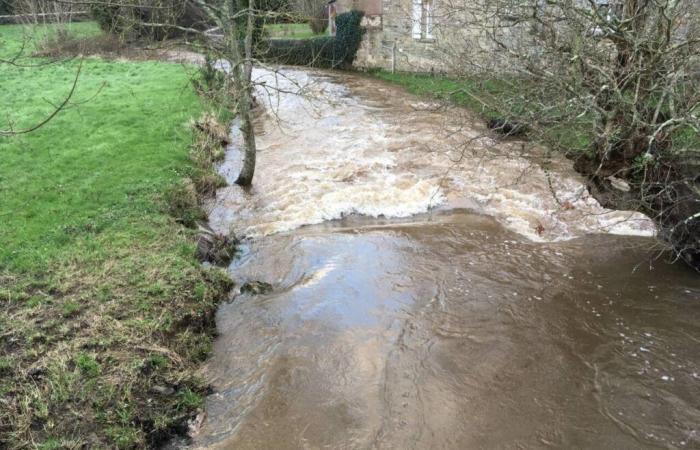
289,31
104,311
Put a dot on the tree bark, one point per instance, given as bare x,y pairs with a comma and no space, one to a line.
245,178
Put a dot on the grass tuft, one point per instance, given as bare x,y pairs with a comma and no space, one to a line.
88,365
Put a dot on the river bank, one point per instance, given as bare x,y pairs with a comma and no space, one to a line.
105,313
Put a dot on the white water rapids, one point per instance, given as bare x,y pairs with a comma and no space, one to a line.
334,145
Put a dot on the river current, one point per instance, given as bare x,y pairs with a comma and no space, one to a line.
436,288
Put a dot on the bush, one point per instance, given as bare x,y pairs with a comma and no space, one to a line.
5,7
63,43
209,79
106,16
313,12
318,22
326,51
126,17
315,52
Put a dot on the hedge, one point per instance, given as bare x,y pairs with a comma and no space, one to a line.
5,7
314,52
324,51
126,17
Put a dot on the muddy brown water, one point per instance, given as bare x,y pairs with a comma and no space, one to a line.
414,309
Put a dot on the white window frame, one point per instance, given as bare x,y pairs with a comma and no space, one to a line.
422,20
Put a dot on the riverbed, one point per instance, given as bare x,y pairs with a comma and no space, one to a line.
435,288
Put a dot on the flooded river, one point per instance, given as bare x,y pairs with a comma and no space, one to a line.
434,288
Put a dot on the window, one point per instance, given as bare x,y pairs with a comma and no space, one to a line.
422,19
610,13
609,9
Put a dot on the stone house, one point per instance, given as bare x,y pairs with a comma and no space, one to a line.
444,35
399,33
421,35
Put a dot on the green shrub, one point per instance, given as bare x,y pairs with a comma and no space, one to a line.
209,80
314,52
326,51
5,7
126,17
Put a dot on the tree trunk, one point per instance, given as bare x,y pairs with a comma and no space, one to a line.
245,178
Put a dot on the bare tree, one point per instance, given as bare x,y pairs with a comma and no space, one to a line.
615,84
235,24
236,19
313,12
45,11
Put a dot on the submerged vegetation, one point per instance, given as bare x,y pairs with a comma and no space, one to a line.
104,309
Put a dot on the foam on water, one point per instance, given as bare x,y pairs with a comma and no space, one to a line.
333,145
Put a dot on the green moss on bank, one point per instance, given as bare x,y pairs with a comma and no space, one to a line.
104,311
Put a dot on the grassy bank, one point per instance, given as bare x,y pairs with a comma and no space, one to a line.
104,311
463,92
289,31
481,94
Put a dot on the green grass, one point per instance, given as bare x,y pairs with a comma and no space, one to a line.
100,295
94,164
289,31
484,96
14,38
464,92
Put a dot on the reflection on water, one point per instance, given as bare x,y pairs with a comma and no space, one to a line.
454,333
446,330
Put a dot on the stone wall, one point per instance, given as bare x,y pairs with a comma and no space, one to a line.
457,42
412,54
389,36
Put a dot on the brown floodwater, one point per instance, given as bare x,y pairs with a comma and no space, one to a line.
428,297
